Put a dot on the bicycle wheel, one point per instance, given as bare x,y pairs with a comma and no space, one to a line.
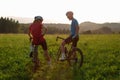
75,57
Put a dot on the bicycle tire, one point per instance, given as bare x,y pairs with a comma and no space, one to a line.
78,59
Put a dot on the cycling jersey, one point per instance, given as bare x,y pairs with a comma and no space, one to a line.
36,31
74,24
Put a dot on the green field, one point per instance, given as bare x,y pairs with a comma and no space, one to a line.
101,59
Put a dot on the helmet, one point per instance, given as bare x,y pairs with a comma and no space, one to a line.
38,18
69,13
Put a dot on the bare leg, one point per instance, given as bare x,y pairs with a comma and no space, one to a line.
35,53
47,57
62,51
62,47
31,47
31,50
35,58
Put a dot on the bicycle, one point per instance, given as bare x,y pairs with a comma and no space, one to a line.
74,55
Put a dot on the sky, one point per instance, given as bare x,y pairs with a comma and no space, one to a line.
53,11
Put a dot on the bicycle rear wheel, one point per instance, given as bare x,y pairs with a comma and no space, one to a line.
76,57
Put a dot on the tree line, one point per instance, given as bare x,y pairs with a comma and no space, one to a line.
51,29
9,25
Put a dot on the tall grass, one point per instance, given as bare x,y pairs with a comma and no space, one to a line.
101,59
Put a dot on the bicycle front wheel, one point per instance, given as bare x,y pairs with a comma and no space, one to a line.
76,57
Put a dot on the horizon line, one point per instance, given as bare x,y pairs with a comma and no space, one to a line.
28,20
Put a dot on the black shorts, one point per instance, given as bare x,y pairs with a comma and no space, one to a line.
74,41
43,44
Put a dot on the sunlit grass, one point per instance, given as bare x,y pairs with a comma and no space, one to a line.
101,59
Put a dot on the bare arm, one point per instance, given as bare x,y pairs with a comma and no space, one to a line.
44,30
77,30
29,34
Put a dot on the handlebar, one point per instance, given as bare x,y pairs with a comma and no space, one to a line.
59,38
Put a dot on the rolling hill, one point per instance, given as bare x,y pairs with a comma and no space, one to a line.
86,26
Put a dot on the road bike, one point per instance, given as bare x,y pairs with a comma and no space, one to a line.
73,55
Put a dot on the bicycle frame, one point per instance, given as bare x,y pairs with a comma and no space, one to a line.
67,53
63,39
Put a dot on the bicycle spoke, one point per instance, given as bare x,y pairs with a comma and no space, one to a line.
76,58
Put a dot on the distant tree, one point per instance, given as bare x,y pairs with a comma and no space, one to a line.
87,32
51,29
55,30
8,25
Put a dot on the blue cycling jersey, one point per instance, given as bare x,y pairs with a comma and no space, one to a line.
74,24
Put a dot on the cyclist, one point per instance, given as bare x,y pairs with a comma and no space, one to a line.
35,33
74,35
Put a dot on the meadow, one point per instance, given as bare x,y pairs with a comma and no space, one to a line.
101,59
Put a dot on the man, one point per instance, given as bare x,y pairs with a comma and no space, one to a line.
74,35
36,34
